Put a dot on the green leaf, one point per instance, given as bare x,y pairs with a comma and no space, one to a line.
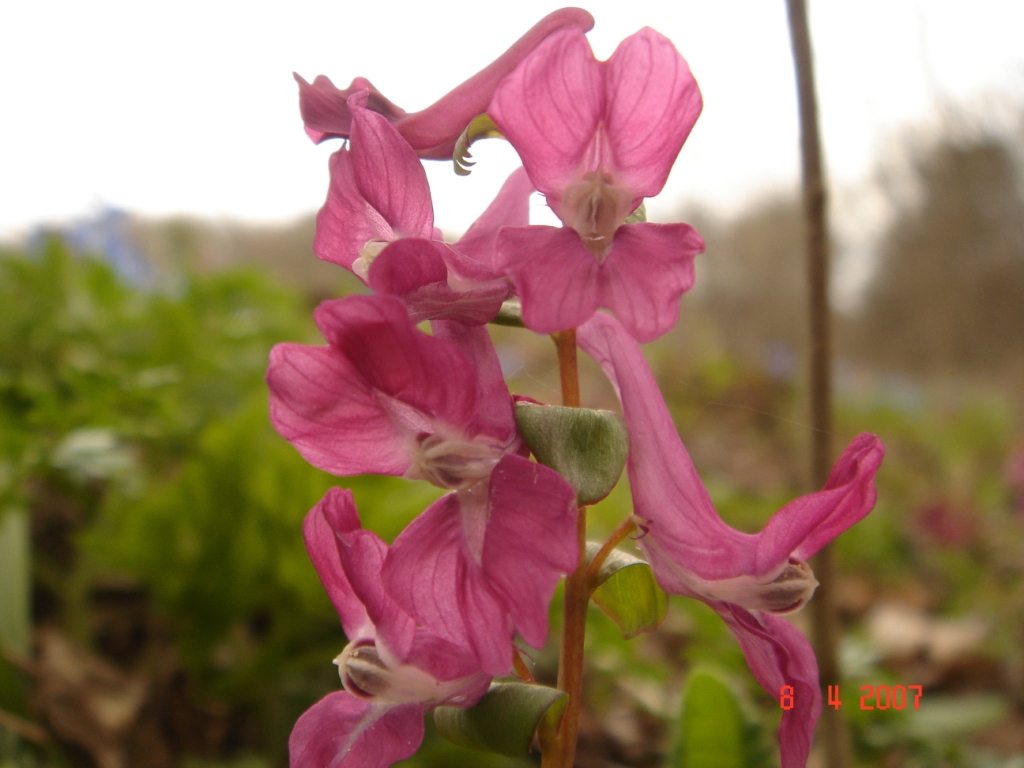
503,721
639,215
480,127
628,593
587,447
712,725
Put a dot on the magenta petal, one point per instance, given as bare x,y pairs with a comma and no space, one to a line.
666,488
334,514
549,108
779,655
322,405
646,270
390,174
475,571
653,103
494,403
555,276
808,523
342,224
475,251
434,130
408,264
426,381
325,111
341,731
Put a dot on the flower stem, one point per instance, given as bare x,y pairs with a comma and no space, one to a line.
561,750
625,528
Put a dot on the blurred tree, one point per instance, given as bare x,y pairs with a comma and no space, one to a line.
948,295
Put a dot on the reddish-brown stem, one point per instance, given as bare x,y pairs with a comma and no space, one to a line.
625,528
560,751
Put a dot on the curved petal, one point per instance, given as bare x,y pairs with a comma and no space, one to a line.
425,382
434,130
474,571
415,271
653,103
779,655
324,407
390,175
474,253
333,515
646,270
496,411
324,107
342,224
341,731
550,107
555,276
808,523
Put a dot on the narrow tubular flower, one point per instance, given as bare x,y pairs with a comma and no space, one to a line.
433,131
392,670
385,398
747,578
597,138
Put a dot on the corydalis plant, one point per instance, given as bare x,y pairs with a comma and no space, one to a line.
433,619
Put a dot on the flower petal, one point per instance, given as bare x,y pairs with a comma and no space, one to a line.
550,107
390,175
342,225
808,523
646,270
323,406
652,104
324,107
475,571
341,731
555,276
779,655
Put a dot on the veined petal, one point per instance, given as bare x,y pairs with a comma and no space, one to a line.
426,381
325,111
668,495
779,655
434,130
808,523
555,276
647,268
333,515
550,107
474,570
415,271
390,175
341,731
323,406
652,104
343,226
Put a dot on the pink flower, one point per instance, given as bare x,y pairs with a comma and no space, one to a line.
392,670
597,138
382,397
378,221
746,578
432,132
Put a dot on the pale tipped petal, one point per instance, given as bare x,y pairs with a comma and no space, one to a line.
341,731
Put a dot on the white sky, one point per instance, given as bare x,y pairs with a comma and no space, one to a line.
190,107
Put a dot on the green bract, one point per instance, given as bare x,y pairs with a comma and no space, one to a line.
587,447
627,592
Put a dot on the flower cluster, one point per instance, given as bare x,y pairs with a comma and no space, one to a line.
432,619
